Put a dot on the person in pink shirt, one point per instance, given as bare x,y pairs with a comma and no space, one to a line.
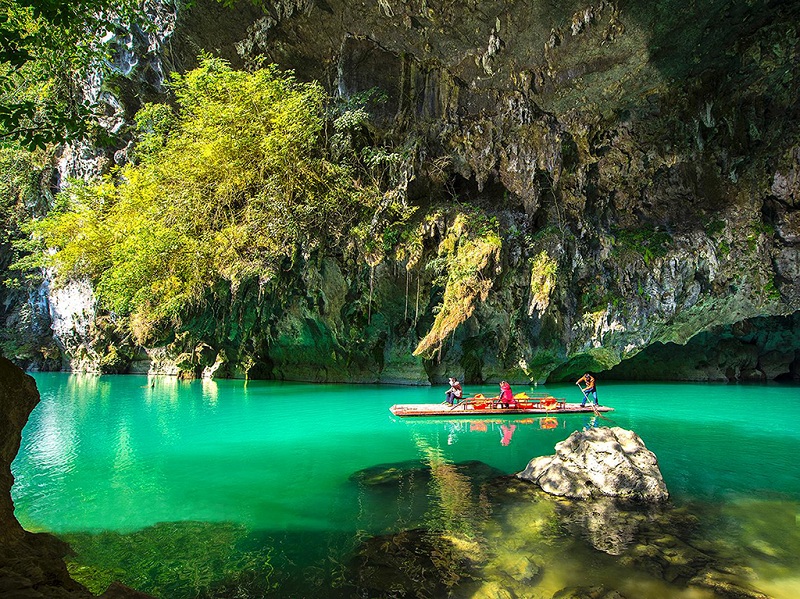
508,432
506,395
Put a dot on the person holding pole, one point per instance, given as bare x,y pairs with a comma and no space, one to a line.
588,380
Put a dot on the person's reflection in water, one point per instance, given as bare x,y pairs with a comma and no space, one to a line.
590,423
507,433
452,437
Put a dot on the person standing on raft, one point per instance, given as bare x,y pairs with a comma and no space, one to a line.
590,387
455,392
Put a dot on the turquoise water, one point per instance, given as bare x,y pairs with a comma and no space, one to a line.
269,470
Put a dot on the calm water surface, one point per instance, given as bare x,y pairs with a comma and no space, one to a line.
211,488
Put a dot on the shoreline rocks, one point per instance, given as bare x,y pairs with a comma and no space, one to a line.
31,564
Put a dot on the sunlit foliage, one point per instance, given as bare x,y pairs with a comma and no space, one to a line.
467,257
230,186
544,269
46,48
21,198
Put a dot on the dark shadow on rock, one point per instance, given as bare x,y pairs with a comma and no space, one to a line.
614,526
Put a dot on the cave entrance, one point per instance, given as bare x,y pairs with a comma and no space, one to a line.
765,348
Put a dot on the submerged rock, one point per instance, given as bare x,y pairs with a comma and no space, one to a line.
724,585
600,462
609,524
655,540
598,592
396,473
413,563
534,539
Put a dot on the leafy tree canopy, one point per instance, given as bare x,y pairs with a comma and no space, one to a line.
231,185
46,49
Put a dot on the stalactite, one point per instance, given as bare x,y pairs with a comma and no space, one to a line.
371,283
405,312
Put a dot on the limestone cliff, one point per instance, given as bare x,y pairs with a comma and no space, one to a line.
641,160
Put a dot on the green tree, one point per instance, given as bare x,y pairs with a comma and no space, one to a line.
228,187
46,48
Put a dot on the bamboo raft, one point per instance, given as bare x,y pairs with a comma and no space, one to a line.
486,406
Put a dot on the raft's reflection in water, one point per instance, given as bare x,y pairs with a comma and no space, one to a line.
505,428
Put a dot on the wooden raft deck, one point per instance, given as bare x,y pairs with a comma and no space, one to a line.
471,407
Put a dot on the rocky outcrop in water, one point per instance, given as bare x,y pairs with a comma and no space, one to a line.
599,462
31,565
533,542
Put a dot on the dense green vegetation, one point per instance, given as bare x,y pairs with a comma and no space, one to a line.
466,257
20,191
22,198
46,48
230,185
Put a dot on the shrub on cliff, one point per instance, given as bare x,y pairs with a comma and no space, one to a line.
468,256
236,180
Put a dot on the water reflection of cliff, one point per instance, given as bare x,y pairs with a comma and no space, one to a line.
456,501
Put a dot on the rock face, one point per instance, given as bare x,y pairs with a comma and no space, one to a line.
758,349
18,397
31,565
642,163
600,462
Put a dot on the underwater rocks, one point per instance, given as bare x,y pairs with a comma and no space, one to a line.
657,542
598,592
413,563
609,524
600,462
396,474
533,544
725,585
